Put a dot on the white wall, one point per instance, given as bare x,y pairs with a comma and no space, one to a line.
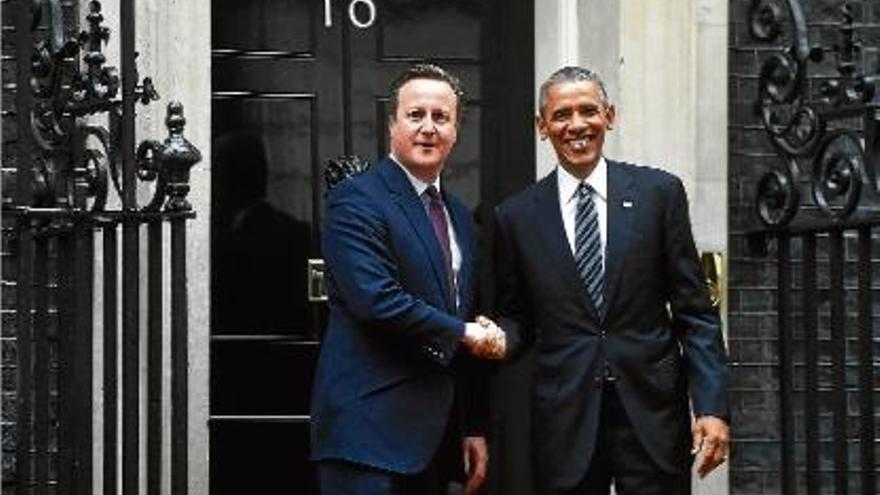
665,65
175,37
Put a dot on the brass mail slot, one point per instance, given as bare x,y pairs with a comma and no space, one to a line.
316,281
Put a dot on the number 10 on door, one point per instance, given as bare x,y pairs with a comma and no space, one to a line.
354,16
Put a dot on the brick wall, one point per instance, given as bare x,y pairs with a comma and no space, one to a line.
756,458
12,140
8,359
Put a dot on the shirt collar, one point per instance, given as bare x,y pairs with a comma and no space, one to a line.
417,183
598,180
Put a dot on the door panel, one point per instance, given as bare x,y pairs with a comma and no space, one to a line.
263,458
273,382
289,76
436,28
262,215
280,25
289,94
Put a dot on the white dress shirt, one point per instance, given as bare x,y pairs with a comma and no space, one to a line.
420,188
568,198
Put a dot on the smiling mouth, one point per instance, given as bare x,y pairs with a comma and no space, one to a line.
579,144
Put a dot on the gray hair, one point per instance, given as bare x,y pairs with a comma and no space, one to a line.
425,71
570,74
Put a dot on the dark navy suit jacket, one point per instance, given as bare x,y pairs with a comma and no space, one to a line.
389,364
660,335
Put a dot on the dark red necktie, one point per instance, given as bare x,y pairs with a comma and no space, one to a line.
437,214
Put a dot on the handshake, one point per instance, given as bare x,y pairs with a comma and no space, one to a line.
485,339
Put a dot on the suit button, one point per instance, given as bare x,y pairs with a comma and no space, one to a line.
602,334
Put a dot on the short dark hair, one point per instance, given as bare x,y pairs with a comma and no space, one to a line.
425,71
567,75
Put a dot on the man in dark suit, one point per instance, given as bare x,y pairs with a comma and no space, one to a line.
393,408
596,263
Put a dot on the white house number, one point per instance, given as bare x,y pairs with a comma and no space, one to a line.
357,20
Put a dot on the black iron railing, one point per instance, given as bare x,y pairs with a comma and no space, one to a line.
821,205
78,172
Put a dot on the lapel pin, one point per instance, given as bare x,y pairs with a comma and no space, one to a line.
627,204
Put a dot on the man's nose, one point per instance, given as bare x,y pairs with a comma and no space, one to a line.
579,121
428,126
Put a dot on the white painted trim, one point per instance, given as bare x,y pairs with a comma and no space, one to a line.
567,20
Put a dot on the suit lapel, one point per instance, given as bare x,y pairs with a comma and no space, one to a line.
622,204
548,221
403,193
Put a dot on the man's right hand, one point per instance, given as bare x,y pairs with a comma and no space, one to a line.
484,339
711,441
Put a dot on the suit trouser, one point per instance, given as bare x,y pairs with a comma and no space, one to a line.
348,478
620,458
338,477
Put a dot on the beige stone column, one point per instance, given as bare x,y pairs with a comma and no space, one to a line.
173,38
175,35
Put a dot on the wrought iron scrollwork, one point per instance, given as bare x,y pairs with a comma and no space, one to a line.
838,174
766,19
96,166
80,159
342,168
777,196
792,124
800,120
850,88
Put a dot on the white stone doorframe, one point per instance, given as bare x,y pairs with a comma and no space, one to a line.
173,38
665,65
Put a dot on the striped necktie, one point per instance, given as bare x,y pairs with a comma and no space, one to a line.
588,246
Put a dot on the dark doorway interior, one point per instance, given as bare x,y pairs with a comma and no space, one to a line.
290,93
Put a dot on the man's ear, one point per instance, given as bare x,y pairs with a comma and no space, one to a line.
541,126
610,115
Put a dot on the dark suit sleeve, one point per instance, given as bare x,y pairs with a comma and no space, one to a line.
694,318
356,246
473,378
511,307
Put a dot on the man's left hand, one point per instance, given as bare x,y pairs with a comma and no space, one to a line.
476,459
711,436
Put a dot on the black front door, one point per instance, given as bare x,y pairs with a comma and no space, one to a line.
296,83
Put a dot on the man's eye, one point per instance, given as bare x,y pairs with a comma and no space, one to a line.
441,118
414,115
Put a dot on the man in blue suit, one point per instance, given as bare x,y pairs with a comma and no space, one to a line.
394,409
596,265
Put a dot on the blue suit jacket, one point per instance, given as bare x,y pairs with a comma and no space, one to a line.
660,335
386,377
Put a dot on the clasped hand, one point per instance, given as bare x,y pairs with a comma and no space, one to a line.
485,339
